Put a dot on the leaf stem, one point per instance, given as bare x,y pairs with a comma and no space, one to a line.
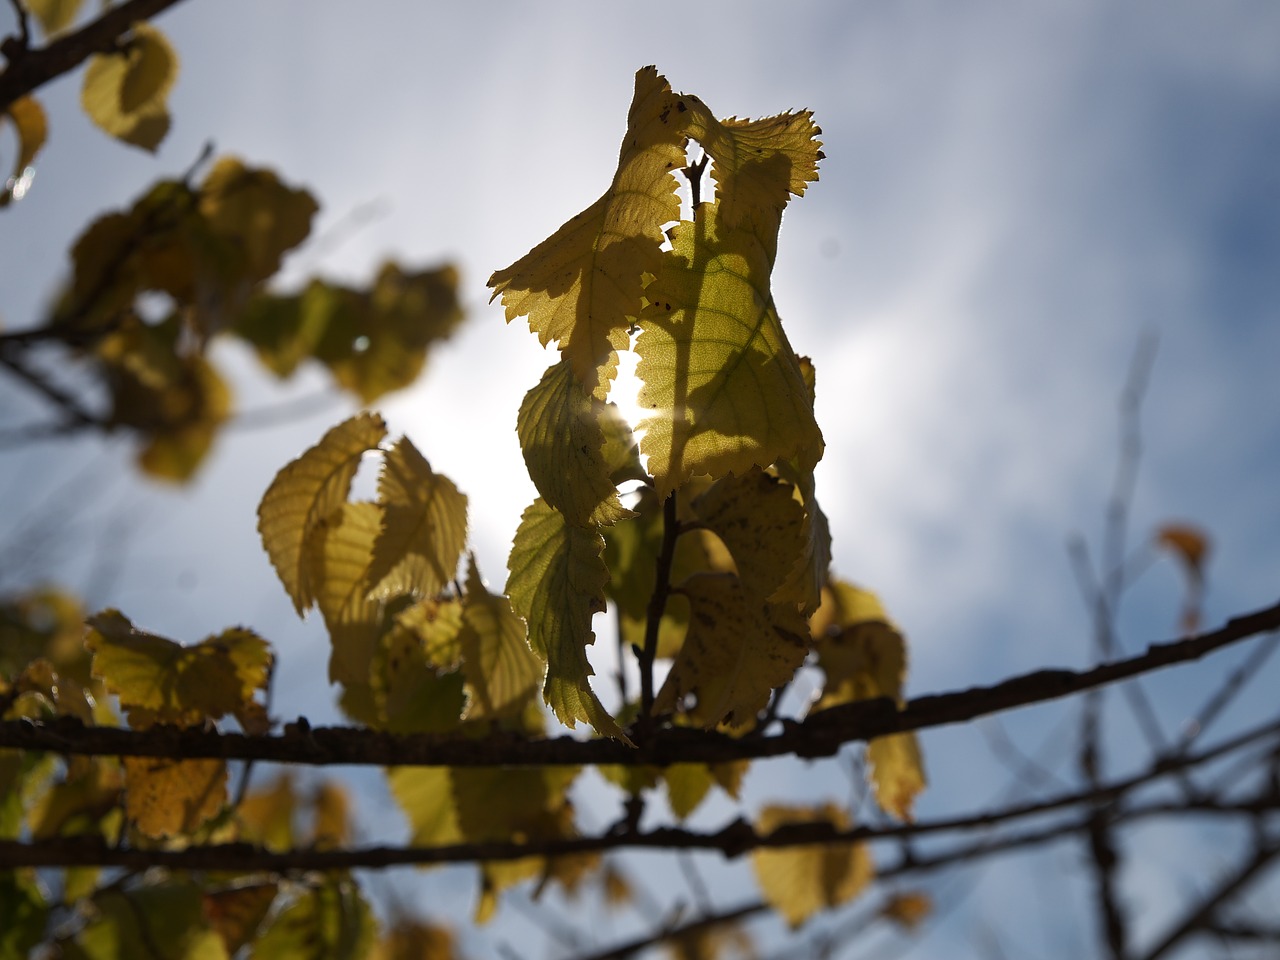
658,604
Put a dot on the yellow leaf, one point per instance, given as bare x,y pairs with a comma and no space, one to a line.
800,881
90,791
261,216
131,922
305,493
687,786
340,551
173,797
236,913
562,440
411,694
557,584
414,940
909,909
125,92
266,815
332,807
897,773
1188,543
32,129
760,522
721,387
54,16
329,921
581,285
425,794
424,527
739,647
159,681
502,672
620,451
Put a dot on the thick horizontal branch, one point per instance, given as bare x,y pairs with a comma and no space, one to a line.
30,68
733,840
821,734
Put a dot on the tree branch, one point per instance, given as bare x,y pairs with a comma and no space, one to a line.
819,735
29,69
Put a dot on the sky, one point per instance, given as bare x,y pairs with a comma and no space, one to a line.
1014,196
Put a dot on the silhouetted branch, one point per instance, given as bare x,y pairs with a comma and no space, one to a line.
29,68
821,734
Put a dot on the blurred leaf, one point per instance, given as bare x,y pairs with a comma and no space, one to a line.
135,923
410,939
557,584
332,807
236,913
32,129
738,649
908,909
582,285
23,913
305,494
802,880
266,815
91,789
331,921
257,213
412,694
424,527
166,798
1191,546
897,773
54,16
125,93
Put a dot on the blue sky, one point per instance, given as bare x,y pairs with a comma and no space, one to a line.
1013,194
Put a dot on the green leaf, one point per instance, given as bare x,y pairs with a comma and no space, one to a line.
305,493
581,286
125,92
557,584
560,432
424,527
722,389
330,921
502,672
802,880
738,649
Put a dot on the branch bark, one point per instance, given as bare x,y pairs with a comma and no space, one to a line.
819,735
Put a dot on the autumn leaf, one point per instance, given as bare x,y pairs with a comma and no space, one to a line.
129,922
908,909
502,672
159,681
689,783
236,913
165,798
265,816
802,880
424,526
738,649
305,493
721,387
125,92
339,558
54,16
23,914
328,921
32,129
411,693
415,940
582,285
1191,546
557,584
562,440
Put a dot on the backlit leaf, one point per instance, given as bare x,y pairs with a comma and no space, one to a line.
557,584
259,214
130,923
167,798
800,881
330,921
424,526
580,286
560,432
413,695
236,913
722,389
159,681
125,93
340,552
32,129
689,783
761,524
305,493
54,16
739,647
502,672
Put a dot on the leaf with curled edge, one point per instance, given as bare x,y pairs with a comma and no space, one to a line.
557,581
305,493
562,439
722,389
424,526
738,649
799,881
581,286
863,657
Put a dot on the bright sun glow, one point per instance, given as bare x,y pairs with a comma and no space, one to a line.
625,388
